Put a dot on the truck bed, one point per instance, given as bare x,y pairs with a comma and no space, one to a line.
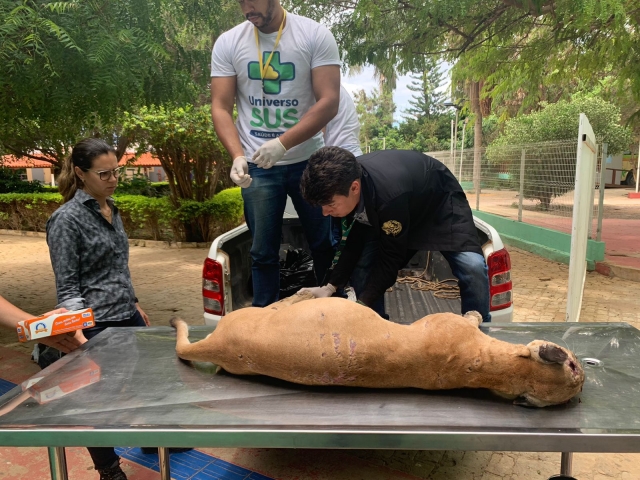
403,304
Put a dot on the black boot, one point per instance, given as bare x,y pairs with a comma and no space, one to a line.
114,472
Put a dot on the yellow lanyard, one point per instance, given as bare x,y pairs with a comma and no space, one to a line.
263,70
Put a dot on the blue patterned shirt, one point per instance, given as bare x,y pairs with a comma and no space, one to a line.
90,259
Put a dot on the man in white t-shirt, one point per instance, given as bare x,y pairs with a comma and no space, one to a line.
344,130
283,73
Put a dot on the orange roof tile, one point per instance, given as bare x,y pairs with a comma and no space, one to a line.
9,161
144,160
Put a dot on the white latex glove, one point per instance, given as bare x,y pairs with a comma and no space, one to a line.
269,153
240,172
320,292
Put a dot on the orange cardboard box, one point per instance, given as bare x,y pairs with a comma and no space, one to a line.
46,326
82,372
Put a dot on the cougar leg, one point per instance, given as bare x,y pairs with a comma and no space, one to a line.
474,317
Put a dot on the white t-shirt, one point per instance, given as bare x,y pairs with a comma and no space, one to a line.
344,130
267,113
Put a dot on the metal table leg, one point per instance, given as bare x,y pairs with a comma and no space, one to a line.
566,463
58,463
566,466
163,460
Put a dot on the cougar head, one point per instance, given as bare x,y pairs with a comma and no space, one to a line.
557,380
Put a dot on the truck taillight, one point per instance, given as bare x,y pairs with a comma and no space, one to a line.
212,287
500,285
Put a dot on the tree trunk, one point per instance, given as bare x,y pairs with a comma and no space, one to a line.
474,92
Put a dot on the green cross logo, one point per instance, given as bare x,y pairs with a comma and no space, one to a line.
276,73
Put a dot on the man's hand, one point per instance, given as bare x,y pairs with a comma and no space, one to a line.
145,317
320,292
65,342
240,172
269,153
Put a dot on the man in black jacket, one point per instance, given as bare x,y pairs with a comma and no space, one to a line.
393,203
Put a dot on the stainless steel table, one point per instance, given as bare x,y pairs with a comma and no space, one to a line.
127,387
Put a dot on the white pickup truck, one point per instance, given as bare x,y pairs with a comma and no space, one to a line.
226,277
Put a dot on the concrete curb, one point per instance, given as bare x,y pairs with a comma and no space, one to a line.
166,244
22,233
626,273
133,242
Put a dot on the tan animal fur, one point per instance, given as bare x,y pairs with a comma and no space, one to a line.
332,341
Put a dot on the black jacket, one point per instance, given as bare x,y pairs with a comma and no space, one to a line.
413,202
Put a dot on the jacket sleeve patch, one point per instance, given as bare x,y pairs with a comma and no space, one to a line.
392,227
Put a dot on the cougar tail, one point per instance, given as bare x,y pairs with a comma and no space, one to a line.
184,348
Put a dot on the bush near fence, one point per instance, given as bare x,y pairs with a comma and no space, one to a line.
143,217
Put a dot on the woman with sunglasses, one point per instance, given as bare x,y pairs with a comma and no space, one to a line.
89,253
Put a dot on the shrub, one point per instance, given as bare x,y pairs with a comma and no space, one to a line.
10,182
27,211
142,216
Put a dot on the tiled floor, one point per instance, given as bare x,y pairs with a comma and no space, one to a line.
192,465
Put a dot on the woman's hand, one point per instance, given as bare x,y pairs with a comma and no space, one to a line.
145,317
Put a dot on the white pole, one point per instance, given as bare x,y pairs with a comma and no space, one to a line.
455,141
53,179
451,158
464,126
582,205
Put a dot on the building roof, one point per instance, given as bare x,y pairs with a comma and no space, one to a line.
144,160
9,161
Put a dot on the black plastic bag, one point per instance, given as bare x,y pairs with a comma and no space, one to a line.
296,271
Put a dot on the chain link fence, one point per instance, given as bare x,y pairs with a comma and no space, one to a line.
532,183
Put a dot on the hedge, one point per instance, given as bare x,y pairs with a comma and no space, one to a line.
143,217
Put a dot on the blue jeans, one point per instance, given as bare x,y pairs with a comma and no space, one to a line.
473,279
468,267
264,203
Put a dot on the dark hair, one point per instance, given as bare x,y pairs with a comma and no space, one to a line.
331,171
82,156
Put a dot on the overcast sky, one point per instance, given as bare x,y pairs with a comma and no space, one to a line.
366,81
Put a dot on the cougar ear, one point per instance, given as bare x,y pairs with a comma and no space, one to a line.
552,353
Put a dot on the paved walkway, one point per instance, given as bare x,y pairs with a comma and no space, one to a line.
168,282
620,226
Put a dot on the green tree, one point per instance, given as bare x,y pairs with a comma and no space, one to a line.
375,113
556,121
511,45
184,140
70,69
559,121
427,101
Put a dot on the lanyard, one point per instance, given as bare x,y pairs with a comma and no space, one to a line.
343,240
263,70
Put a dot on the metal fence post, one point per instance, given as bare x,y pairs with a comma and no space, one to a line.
593,192
521,194
601,192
